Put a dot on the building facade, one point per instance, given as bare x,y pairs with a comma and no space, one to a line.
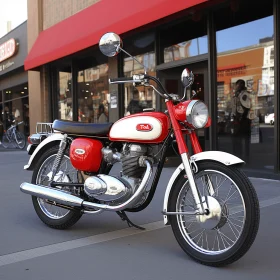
14,99
217,40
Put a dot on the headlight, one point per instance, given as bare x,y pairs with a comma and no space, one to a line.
197,114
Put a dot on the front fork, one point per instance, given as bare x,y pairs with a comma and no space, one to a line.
183,150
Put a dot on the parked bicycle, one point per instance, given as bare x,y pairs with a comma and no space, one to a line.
13,138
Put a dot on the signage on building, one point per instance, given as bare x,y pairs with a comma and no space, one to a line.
6,65
8,49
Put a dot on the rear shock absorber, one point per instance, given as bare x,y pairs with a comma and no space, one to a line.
59,156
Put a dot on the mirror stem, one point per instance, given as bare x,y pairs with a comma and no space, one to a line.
145,70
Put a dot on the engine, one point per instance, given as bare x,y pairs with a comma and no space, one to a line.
118,189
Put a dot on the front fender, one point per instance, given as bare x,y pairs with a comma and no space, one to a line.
222,157
54,137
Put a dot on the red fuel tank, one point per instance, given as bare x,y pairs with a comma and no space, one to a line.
85,154
148,127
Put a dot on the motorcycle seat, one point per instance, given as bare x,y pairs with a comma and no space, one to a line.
82,129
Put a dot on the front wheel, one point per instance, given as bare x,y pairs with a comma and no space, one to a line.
227,231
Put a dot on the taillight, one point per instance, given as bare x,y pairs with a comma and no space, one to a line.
28,140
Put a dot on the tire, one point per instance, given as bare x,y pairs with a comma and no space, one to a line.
5,142
204,253
20,137
72,216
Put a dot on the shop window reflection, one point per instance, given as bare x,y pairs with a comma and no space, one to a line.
137,99
245,92
65,107
93,94
186,49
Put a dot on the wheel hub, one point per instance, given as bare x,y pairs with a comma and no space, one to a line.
213,218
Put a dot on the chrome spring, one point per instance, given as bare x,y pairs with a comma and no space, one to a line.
59,156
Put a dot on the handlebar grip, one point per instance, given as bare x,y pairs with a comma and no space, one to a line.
119,80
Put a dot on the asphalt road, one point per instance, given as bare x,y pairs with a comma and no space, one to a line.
103,247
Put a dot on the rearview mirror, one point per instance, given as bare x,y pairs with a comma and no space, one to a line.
110,44
187,77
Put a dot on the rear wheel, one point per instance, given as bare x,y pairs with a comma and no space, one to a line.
51,215
227,232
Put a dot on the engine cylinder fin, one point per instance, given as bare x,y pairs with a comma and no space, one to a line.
131,167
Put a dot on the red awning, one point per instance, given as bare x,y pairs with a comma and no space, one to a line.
85,28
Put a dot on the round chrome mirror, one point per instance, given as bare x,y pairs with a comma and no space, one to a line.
187,77
110,43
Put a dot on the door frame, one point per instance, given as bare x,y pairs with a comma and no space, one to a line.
199,66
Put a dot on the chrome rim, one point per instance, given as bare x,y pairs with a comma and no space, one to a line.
66,173
217,235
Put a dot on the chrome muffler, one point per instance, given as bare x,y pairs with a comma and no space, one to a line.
67,199
59,196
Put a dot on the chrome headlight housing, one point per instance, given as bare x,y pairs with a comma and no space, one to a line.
197,114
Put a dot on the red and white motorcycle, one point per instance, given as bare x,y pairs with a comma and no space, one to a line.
209,202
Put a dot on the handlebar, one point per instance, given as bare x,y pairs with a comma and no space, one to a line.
142,80
121,80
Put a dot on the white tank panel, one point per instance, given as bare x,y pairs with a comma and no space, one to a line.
127,128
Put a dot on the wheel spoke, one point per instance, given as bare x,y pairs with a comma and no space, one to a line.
64,175
227,227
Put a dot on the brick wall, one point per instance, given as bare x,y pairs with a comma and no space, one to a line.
55,11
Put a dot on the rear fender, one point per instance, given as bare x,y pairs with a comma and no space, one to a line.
47,143
222,157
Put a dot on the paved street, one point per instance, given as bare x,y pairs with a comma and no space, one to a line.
103,247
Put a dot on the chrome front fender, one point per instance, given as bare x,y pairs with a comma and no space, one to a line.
51,138
222,157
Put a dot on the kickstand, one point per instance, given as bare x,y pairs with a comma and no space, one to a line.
124,217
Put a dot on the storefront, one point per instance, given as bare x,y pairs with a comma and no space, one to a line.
14,103
217,40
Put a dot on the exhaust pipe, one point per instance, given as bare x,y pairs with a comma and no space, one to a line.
64,198
53,194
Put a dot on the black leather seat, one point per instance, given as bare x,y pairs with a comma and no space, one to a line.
83,129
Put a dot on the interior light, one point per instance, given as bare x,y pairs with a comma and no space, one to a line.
25,87
87,84
22,92
87,91
86,97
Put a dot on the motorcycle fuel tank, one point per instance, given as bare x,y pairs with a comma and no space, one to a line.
148,127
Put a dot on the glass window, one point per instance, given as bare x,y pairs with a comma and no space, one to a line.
15,108
93,94
245,91
184,39
142,47
137,99
65,107
186,49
